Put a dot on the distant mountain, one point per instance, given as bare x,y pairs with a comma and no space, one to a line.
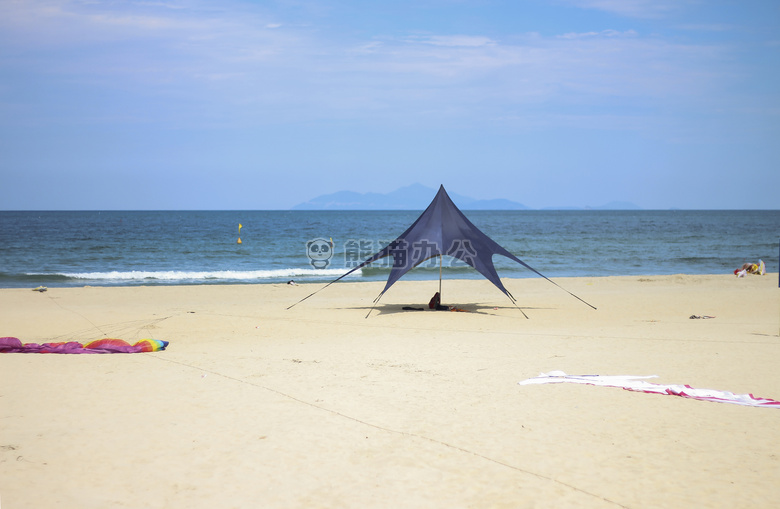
619,205
418,196
413,197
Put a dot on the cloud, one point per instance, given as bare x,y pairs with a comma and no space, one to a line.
631,8
603,33
70,23
701,27
235,64
467,41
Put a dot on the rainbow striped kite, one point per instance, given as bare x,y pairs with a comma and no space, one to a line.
106,345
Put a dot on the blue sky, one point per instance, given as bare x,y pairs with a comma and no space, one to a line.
234,104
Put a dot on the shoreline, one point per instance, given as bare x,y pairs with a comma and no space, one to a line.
358,279
319,406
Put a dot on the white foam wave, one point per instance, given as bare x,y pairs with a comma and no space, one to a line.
217,275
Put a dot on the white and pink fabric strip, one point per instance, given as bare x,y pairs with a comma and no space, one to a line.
638,384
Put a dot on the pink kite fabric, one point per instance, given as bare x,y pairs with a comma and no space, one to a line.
637,383
106,345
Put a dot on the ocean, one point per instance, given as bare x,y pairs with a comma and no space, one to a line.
124,248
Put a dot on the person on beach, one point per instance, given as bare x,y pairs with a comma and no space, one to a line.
435,303
751,268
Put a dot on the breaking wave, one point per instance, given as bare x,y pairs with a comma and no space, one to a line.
175,276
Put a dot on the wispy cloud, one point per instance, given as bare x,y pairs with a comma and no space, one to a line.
467,41
711,27
631,8
239,64
603,33
42,23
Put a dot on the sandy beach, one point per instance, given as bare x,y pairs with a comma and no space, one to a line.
255,405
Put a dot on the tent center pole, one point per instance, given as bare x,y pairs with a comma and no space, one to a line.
440,257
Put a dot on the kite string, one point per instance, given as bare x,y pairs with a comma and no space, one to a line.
134,326
390,430
77,313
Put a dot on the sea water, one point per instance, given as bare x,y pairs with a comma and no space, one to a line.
58,249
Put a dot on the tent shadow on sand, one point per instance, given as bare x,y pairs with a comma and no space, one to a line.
442,229
469,309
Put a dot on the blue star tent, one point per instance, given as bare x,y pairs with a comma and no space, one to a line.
442,229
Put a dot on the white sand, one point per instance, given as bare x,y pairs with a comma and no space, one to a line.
253,405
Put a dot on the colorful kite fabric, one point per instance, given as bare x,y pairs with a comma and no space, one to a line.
106,345
636,383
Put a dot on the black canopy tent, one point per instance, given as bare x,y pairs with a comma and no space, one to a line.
442,229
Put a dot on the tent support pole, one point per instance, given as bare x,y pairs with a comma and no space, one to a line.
521,309
376,301
440,257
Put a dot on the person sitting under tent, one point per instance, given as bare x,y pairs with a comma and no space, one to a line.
435,303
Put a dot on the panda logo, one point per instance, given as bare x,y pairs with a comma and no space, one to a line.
319,252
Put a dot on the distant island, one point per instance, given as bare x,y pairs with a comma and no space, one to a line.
418,196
